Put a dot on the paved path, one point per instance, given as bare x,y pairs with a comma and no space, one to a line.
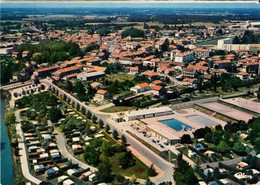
23,155
15,85
61,142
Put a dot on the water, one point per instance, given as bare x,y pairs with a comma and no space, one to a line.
202,120
175,124
6,156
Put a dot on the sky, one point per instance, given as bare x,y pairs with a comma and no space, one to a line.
132,4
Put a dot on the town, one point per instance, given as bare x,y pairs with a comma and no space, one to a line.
130,96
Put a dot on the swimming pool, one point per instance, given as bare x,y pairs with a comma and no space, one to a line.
175,124
202,120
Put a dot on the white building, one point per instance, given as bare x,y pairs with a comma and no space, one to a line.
147,113
90,76
185,57
221,42
226,44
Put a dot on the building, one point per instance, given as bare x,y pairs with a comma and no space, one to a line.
158,90
96,85
200,53
226,44
133,70
47,71
243,75
102,94
147,113
185,57
141,88
151,75
90,76
223,64
222,42
65,71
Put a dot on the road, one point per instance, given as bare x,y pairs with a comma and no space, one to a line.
15,85
61,142
163,165
23,155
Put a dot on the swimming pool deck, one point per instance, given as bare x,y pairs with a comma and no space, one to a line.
227,111
248,104
182,116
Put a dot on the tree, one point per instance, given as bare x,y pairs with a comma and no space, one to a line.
19,180
151,171
123,139
125,160
101,123
107,149
9,118
186,139
69,86
239,148
89,115
91,155
83,110
183,173
55,114
257,145
223,147
107,128
149,182
115,134
94,119
104,171
133,32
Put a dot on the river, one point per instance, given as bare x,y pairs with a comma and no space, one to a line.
6,156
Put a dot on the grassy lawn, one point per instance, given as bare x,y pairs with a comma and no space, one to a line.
116,109
120,77
139,169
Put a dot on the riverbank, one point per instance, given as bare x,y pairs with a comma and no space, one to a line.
10,132
6,151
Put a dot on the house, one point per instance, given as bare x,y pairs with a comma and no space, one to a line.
192,154
90,76
68,182
225,181
77,147
71,171
200,53
133,70
15,54
192,82
96,85
252,67
151,75
158,90
102,94
241,165
199,147
92,177
213,183
38,168
141,88
25,53
208,172
190,73
157,82
223,64
243,75
185,57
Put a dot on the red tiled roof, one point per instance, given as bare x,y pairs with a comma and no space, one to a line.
150,73
191,80
157,87
142,85
101,91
